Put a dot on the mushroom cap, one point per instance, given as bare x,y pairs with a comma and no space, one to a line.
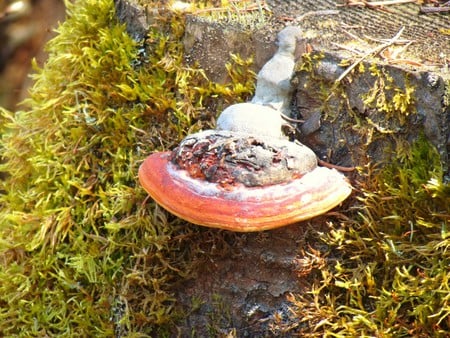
251,118
241,208
227,158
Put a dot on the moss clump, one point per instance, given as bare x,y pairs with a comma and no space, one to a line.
388,275
386,97
382,271
83,252
321,93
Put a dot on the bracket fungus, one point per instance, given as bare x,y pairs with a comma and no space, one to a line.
245,175
208,185
251,118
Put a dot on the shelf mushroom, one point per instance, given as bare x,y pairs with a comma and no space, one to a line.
246,175
240,182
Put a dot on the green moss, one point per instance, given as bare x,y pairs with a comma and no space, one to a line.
322,92
388,275
382,270
219,317
446,98
309,62
386,97
246,14
83,251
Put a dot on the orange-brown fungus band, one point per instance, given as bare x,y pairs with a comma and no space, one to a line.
241,208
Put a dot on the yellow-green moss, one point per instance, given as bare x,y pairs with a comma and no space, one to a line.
83,252
322,92
383,270
386,97
309,62
387,268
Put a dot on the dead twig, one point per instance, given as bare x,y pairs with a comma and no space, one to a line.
334,166
345,25
398,41
290,119
375,50
405,62
354,36
375,4
388,2
445,7
349,49
393,58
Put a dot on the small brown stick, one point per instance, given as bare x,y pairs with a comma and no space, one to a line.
375,50
144,202
398,41
405,62
290,119
334,166
393,59
401,50
373,4
352,3
354,36
389,2
339,215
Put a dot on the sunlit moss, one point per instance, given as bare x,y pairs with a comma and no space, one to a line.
382,271
386,97
388,275
321,91
83,251
309,62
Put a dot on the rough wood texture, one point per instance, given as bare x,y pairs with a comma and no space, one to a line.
324,25
427,30
336,140
420,60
